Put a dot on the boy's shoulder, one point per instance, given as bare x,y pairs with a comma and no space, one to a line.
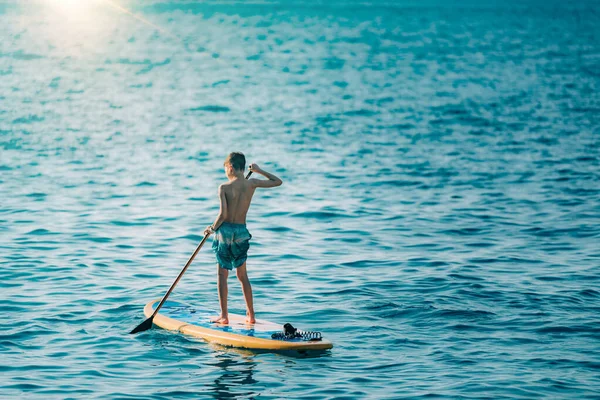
223,186
227,186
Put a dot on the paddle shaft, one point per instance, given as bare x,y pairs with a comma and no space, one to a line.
183,270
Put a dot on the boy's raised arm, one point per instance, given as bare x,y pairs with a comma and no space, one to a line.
272,181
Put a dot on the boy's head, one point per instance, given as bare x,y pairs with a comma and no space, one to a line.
236,160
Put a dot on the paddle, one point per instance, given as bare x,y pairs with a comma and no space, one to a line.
147,324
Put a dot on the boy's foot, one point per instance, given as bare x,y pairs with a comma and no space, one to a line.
220,320
250,319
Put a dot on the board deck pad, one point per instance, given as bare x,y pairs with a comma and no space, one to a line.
196,322
237,323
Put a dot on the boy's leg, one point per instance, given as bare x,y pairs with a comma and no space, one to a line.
247,290
222,275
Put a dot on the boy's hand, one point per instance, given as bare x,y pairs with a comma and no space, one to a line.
272,179
254,168
209,230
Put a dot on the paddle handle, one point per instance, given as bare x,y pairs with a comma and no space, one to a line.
183,270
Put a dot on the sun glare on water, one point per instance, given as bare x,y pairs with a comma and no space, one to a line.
73,7
77,26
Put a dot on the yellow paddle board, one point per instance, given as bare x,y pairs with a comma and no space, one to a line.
195,322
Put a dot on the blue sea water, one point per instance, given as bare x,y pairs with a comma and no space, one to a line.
439,219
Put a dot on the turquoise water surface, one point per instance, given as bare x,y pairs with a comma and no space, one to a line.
439,219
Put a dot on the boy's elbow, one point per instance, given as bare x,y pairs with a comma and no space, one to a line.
279,182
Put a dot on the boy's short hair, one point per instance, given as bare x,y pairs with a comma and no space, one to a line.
237,160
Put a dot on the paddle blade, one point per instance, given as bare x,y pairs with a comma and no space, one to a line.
144,326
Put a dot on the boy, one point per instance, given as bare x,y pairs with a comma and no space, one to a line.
232,239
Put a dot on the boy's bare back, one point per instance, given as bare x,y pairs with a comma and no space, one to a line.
235,196
238,194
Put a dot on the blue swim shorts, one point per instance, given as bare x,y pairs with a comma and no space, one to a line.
230,244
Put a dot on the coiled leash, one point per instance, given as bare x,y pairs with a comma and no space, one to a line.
291,333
